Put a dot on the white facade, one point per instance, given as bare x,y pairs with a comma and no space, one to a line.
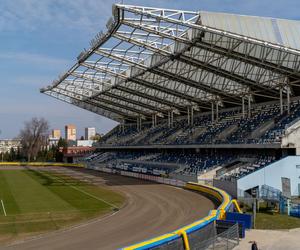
7,144
291,138
53,141
89,133
84,143
270,175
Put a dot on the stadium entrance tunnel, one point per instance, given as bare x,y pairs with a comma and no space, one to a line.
202,233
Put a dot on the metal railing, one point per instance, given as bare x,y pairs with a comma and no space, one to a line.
207,238
226,240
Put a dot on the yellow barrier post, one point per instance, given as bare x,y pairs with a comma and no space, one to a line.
236,205
185,239
222,214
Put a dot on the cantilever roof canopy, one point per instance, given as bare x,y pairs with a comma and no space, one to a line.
152,61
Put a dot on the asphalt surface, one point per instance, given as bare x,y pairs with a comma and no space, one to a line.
151,210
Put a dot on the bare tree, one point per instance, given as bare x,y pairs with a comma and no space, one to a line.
34,137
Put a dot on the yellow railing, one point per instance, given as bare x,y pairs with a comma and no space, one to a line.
220,213
41,164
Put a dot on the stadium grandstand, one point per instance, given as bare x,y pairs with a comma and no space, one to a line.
195,93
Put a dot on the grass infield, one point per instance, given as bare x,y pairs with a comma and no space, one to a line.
34,201
266,220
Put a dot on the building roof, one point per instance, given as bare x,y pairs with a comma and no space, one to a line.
155,61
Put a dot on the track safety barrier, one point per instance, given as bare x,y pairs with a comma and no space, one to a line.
182,234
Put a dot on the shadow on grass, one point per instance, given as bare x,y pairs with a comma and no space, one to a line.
51,179
114,179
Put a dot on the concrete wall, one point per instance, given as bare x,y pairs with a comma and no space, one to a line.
270,175
292,137
228,186
185,178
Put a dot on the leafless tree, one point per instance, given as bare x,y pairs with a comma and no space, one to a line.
34,137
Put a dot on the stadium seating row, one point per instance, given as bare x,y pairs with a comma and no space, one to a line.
265,125
233,165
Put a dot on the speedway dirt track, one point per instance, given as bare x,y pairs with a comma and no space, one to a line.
151,209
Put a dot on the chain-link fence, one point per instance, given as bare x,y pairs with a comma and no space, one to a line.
208,237
201,235
226,240
172,245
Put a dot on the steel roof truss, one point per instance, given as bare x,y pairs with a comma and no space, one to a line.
191,60
146,83
137,103
214,31
108,107
83,105
170,76
83,95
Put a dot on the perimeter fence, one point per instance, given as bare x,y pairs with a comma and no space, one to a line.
225,240
210,238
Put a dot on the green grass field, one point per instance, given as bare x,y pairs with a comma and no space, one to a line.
276,221
33,202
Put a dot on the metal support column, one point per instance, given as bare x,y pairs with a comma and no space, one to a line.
172,118
249,106
188,116
192,115
123,126
153,121
281,101
243,107
217,112
212,113
288,92
169,119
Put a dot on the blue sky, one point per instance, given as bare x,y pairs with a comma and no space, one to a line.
39,39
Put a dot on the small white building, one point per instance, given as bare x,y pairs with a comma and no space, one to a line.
84,143
274,176
7,144
52,141
89,133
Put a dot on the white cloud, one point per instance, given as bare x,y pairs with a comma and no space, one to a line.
84,15
89,16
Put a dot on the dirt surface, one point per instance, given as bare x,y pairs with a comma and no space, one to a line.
272,239
151,209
